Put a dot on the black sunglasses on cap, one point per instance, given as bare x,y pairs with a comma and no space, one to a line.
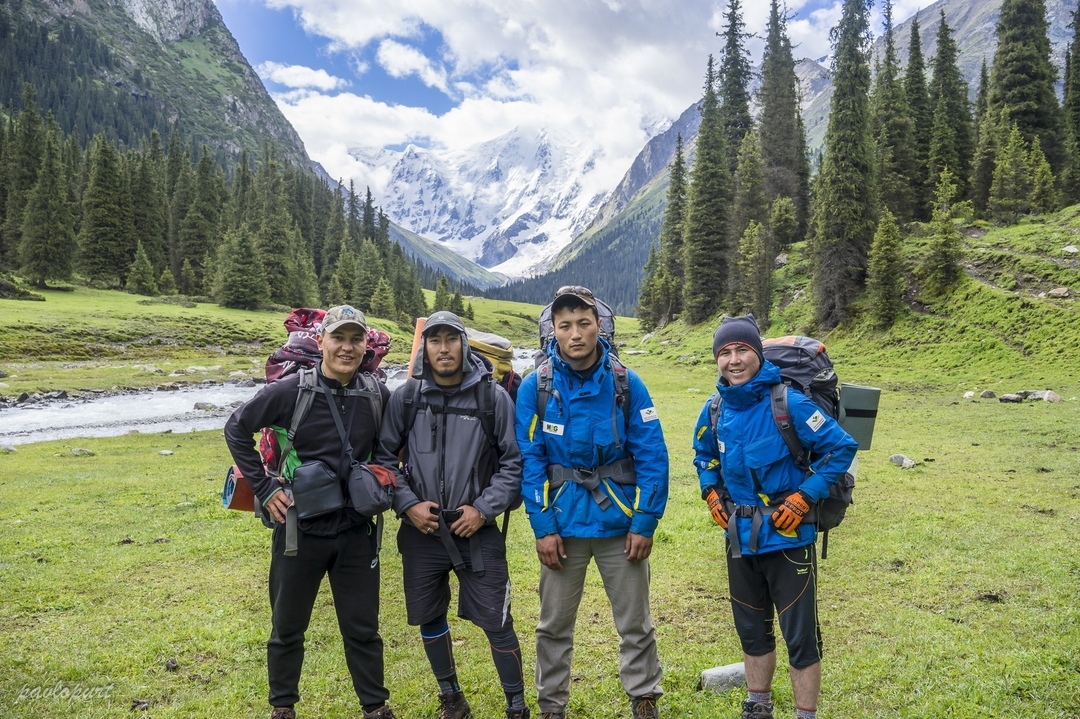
574,290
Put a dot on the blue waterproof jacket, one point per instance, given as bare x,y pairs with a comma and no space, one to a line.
579,430
752,463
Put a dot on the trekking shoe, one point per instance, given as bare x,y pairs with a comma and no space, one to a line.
522,713
383,712
756,710
552,715
283,713
644,707
454,705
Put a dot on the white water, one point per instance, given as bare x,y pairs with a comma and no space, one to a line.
148,412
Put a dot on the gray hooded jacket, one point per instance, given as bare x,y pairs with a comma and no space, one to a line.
447,453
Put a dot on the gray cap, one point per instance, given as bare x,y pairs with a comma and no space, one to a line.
444,318
337,317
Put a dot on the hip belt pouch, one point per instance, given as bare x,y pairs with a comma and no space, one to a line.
371,489
316,490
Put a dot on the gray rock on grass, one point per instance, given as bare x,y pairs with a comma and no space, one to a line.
987,394
902,461
81,452
1013,398
723,679
969,395
1059,293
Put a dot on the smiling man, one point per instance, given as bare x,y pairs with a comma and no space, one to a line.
595,486
757,493
462,468
330,539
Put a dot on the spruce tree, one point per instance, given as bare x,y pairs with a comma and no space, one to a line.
750,203
182,198
1070,112
708,250
755,271
140,279
198,230
189,279
442,295
370,271
649,308
922,117
149,203
781,130
353,217
47,248
241,282
671,254
457,303
335,230
274,242
25,147
734,82
1010,193
303,287
166,282
845,198
783,226
982,173
894,133
367,218
1023,76
382,301
470,313
344,277
1044,193
951,139
106,232
885,280
941,268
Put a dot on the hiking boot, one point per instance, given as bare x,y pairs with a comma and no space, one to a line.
552,715
644,707
756,710
383,712
522,713
283,713
454,705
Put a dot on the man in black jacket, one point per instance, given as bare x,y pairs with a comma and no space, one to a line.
340,543
463,469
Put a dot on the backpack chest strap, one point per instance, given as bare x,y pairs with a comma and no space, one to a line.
620,471
758,514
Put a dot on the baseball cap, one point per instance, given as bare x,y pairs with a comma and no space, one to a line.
444,318
338,317
566,292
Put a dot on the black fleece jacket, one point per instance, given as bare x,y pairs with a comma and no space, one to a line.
316,438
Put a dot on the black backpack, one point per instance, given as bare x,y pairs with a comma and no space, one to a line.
804,366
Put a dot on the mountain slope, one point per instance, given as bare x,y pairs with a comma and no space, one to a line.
177,55
443,259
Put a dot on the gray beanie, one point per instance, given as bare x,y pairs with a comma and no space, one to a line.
743,330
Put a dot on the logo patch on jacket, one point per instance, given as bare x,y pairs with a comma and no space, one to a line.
815,421
649,414
552,428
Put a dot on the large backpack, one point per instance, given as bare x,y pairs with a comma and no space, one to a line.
804,366
498,353
606,318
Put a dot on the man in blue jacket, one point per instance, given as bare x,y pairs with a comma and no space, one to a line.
760,496
595,485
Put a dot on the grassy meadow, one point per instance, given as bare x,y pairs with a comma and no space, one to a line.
950,590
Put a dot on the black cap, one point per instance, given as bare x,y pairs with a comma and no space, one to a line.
741,330
444,318
571,293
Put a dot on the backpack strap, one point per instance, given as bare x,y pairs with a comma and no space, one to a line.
782,416
544,389
714,413
622,393
544,381
305,395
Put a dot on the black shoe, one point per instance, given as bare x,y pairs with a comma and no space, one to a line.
383,712
522,713
283,713
644,707
756,710
454,705
552,715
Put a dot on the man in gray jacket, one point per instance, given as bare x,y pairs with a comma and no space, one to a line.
461,469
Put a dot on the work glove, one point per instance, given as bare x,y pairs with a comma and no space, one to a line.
791,512
716,506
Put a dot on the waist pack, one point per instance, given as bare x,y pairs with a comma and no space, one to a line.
316,490
371,489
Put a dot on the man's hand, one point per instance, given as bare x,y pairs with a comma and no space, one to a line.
637,547
277,506
791,512
716,506
424,516
469,523
550,551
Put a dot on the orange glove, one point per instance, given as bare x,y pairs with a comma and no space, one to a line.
791,512
716,506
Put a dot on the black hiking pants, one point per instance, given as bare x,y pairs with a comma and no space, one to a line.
350,560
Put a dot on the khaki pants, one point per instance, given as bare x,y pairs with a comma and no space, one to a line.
627,587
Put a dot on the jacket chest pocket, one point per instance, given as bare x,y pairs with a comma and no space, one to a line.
423,437
765,460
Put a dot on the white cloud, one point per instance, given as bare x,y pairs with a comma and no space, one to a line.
403,60
298,76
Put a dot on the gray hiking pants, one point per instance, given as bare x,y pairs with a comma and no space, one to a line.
627,587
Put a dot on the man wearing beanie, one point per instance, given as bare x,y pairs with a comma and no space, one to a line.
758,494
462,469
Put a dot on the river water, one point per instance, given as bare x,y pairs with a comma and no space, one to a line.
147,412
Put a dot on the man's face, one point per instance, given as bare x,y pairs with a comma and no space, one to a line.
342,351
443,351
577,332
738,363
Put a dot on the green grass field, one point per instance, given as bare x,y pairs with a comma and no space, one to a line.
950,591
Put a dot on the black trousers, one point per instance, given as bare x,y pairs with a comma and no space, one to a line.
351,562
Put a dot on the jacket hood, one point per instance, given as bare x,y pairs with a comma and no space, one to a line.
750,393
473,365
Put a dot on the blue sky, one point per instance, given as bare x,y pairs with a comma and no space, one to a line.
449,74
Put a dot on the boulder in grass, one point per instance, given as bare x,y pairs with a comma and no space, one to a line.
81,452
1059,293
723,679
1011,398
902,461
1051,396
987,394
969,395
